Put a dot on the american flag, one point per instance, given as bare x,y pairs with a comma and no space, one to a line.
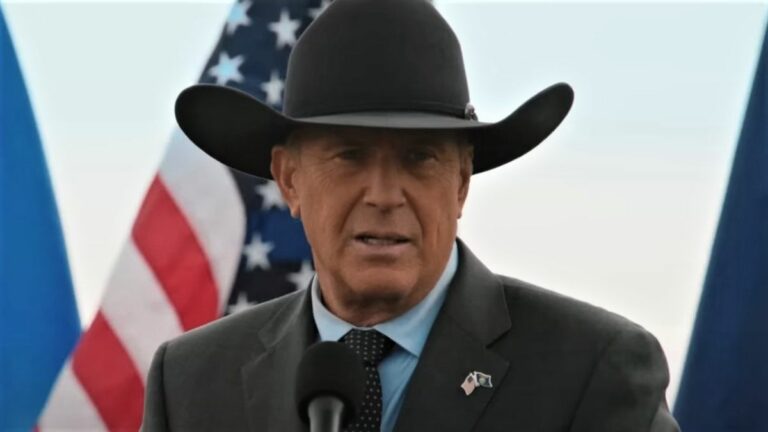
208,241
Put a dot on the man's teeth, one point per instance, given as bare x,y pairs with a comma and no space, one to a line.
379,241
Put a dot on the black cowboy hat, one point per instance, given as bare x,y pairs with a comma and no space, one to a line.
367,63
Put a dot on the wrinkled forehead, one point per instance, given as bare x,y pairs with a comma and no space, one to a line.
362,136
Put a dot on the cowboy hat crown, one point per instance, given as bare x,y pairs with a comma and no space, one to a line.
373,55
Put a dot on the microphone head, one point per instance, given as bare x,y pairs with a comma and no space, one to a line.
330,369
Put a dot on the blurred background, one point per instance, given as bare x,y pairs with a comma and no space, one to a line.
618,207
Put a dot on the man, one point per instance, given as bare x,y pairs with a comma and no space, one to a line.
374,153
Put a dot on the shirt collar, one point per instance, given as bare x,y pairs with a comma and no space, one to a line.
409,330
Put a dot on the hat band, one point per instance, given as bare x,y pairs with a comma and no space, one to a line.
465,111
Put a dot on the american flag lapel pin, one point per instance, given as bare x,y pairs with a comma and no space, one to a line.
483,380
469,384
474,380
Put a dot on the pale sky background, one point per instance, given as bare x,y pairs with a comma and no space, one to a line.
618,207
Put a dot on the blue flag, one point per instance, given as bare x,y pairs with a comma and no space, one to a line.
38,318
725,382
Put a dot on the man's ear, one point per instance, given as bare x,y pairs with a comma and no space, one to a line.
465,174
283,168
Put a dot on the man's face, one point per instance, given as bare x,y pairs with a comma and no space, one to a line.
380,210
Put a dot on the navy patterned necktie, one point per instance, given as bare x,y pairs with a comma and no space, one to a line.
371,346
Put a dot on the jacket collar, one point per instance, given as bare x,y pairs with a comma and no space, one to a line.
474,315
269,378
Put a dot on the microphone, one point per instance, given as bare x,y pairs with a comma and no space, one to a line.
330,385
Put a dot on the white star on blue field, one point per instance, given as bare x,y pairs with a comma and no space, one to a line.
285,29
228,69
256,253
271,196
238,16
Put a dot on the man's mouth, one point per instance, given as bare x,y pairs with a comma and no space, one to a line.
381,239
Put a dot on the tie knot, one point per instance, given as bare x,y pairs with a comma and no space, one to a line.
370,345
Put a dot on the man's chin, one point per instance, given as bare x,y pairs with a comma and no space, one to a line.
384,293
384,290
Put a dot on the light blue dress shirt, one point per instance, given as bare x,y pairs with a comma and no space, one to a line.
409,331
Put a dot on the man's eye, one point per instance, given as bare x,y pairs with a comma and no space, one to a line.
420,156
350,154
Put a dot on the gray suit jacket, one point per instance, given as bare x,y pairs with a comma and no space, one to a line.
557,364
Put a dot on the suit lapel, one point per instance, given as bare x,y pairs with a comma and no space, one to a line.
269,378
474,315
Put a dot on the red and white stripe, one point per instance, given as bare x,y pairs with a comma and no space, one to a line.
174,274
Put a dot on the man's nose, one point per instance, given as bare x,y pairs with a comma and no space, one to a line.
384,185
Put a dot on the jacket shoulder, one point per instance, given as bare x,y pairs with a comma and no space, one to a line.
584,367
561,313
233,330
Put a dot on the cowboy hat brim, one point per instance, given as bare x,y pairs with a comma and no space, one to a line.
238,130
